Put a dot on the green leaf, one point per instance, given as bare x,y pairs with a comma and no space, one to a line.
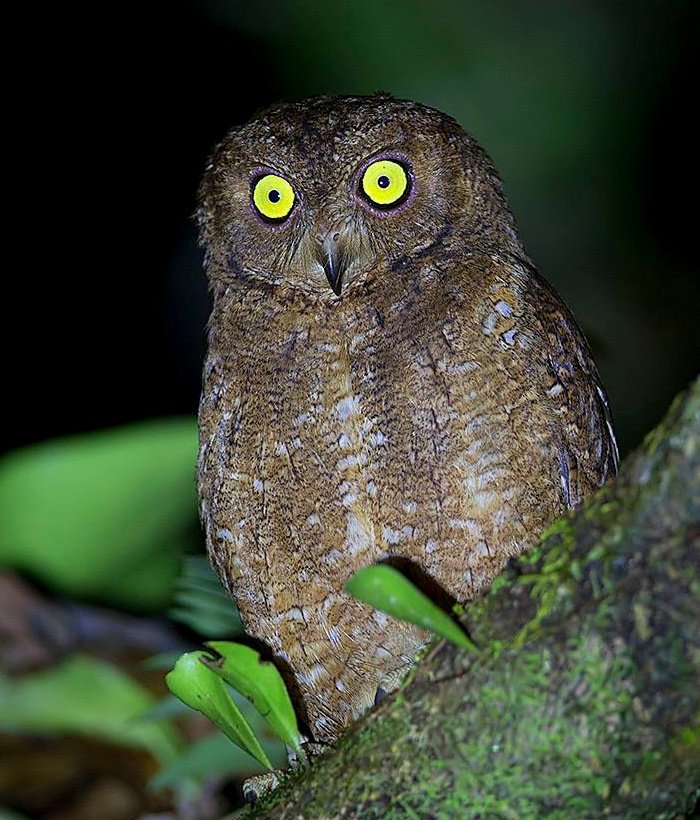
83,695
103,516
260,682
203,690
386,589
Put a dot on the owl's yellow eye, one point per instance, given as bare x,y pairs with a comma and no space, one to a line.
384,183
273,196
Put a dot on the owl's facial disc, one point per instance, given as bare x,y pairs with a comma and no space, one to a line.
336,198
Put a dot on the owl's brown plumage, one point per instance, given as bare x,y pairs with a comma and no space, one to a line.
443,408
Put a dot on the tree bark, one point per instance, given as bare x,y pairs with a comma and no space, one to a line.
584,699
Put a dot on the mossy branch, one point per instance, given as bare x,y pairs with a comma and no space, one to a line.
584,701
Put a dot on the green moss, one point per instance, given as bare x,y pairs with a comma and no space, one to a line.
491,783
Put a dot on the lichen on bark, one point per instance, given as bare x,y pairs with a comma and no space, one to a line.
584,699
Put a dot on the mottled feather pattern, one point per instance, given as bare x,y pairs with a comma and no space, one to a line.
443,409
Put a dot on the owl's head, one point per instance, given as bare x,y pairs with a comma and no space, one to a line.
332,192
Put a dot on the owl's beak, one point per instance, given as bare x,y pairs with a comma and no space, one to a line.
329,252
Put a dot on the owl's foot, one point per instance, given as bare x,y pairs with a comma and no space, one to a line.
390,683
312,750
260,785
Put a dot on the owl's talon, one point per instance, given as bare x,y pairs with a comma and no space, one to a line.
390,683
380,695
259,786
312,750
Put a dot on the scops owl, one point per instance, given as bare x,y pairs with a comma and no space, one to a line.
388,379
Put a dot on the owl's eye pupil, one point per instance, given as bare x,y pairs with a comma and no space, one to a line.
383,182
274,196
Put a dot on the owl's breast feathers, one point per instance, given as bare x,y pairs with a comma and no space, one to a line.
445,422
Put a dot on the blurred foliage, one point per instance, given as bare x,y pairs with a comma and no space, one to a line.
215,756
202,603
107,517
104,516
83,695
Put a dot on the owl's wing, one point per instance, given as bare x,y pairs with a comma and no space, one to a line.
588,453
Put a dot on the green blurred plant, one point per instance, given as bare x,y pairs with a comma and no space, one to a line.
107,517
84,695
104,516
201,603
215,756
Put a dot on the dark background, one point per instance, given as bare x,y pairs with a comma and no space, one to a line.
584,106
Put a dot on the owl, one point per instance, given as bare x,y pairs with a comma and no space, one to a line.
388,379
